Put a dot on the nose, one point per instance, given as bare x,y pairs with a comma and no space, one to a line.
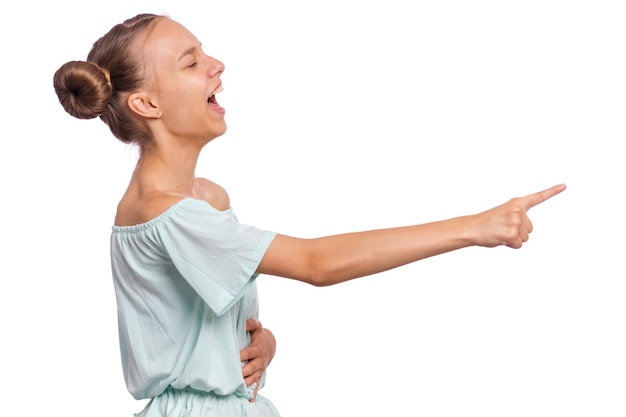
216,67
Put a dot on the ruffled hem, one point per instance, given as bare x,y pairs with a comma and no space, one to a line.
191,403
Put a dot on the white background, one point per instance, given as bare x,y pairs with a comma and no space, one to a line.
344,116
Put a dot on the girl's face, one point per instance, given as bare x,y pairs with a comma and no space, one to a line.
181,81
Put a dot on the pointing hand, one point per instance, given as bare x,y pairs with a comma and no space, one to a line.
508,224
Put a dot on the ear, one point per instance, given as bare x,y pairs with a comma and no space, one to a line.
141,104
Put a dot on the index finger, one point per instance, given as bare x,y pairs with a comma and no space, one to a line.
532,200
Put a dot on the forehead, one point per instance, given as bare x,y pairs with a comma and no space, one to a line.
168,39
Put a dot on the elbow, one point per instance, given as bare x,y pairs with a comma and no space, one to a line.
310,261
320,278
324,274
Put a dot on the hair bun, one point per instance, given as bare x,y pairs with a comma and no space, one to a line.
83,89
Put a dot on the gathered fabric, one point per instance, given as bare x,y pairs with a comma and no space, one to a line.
190,403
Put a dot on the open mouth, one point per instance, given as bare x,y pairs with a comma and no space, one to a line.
212,99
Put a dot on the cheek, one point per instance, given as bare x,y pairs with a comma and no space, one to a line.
180,103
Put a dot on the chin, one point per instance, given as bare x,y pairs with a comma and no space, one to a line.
222,131
216,133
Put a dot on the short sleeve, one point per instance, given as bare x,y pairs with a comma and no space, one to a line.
212,251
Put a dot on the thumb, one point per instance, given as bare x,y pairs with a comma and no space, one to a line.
253,325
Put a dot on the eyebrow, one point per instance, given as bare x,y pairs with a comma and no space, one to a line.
189,51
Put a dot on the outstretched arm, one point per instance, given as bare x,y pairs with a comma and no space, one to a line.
334,259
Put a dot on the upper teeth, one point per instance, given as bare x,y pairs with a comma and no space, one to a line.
217,90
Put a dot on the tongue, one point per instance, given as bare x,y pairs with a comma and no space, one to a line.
213,105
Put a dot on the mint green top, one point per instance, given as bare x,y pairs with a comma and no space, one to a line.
185,286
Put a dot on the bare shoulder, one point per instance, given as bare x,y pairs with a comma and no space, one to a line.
212,193
134,210
140,206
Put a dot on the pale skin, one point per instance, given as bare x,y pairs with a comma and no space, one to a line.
175,106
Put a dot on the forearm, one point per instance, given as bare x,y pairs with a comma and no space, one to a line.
333,259
348,256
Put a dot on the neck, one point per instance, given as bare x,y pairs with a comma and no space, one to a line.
168,168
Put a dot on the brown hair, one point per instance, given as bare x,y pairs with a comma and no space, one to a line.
96,87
